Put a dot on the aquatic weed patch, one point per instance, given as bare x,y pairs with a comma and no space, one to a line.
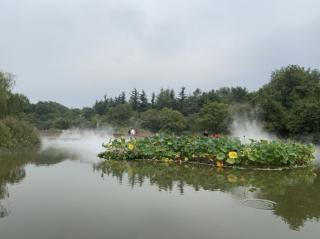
221,151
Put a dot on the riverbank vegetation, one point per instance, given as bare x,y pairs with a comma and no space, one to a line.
15,133
217,150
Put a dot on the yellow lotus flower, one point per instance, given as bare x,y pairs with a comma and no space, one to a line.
233,155
130,146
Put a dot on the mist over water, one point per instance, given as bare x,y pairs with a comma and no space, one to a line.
246,129
85,144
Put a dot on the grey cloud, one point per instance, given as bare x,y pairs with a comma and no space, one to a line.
75,51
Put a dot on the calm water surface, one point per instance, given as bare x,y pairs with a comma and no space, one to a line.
65,192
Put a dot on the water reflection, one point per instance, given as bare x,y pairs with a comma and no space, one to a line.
12,168
294,194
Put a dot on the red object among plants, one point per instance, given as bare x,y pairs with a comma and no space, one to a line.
216,136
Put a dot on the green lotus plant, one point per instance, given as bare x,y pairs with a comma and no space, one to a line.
220,151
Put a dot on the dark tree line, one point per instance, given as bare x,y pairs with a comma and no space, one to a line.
289,106
174,111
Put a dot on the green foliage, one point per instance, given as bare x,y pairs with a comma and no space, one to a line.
221,150
6,83
17,103
120,115
232,95
52,115
134,99
166,99
292,83
277,153
165,120
182,99
171,121
289,104
214,117
194,102
274,116
153,99
305,117
143,101
16,134
150,119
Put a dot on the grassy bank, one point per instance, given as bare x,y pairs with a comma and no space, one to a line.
220,151
16,134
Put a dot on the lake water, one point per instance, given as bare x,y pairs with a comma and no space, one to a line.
65,192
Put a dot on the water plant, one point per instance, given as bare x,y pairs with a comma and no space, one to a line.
220,151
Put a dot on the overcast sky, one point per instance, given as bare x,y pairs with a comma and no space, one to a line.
75,51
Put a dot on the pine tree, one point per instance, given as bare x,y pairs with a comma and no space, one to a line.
153,99
173,99
134,99
143,101
123,97
166,99
181,99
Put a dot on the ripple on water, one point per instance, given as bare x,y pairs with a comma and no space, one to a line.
261,204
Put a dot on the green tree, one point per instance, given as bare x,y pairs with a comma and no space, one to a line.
153,99
214,117
120,114
6,83
150,120
134,99
61,123
87,112
165,99
16,134
281,101
239,95
100,107
123,98
292,83
17,103
182,99
194,102
274,116
172,121
143,101
304,119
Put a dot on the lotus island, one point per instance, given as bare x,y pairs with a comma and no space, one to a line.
219,151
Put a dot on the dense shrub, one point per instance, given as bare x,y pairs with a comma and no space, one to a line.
16,134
